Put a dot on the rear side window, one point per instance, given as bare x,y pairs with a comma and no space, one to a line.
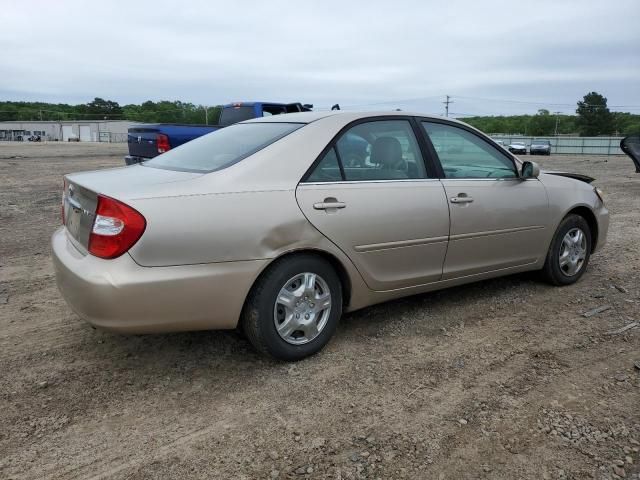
222,148
376,150
380,150
465,155
328,170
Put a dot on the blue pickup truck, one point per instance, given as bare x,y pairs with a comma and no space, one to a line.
149,141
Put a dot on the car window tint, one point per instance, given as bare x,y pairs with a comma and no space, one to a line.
465,155
222,148
328,170
235,114
380,150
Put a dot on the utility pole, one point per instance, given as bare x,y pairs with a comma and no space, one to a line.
446,106
206,115
557,113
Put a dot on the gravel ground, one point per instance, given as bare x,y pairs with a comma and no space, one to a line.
499,379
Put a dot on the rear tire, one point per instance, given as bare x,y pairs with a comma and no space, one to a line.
286,313
569,252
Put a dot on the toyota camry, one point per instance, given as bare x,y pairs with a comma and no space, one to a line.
265,225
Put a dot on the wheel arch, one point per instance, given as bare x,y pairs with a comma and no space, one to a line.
586,213
336,264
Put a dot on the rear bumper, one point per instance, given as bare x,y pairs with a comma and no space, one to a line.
121,296
132,159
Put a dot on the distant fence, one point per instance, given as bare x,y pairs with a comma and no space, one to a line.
104,137
571,145
111,137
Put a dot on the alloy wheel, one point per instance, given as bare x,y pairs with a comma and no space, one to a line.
302,308
573,252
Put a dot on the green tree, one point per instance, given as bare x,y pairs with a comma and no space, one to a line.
100,108
594,118
542,123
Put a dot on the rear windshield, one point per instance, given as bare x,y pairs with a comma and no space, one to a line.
231,115
222,148
540,142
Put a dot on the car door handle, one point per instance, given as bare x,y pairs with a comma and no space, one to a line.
461,199
328,205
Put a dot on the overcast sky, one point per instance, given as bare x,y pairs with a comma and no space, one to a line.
362,54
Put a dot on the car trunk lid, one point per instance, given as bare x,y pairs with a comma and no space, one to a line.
81,192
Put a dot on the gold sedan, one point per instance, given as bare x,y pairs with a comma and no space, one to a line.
281,224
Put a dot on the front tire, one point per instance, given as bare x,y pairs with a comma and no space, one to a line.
569,252
294,308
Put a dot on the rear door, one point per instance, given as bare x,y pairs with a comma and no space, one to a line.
497,219
383,210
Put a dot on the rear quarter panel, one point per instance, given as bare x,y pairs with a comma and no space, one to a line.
234,227
221,227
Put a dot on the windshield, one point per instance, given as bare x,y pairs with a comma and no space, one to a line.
222,148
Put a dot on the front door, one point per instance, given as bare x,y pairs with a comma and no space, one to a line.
381,209
497,219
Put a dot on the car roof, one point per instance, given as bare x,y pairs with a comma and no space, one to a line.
298,117
343,115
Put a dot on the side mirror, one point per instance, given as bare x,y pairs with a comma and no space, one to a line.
530,170
631,146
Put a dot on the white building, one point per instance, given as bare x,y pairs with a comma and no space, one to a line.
64,131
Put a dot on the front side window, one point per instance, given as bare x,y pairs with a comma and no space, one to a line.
380,150
465,155
222,148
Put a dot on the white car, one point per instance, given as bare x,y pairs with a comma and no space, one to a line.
518,148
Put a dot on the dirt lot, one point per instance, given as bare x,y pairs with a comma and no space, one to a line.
501,379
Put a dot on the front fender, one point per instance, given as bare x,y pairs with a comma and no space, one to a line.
568,195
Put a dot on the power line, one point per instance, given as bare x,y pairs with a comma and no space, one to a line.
385,102
557,119
525,102
446,106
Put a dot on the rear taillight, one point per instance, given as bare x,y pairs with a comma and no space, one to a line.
162,141
116,228
64,197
